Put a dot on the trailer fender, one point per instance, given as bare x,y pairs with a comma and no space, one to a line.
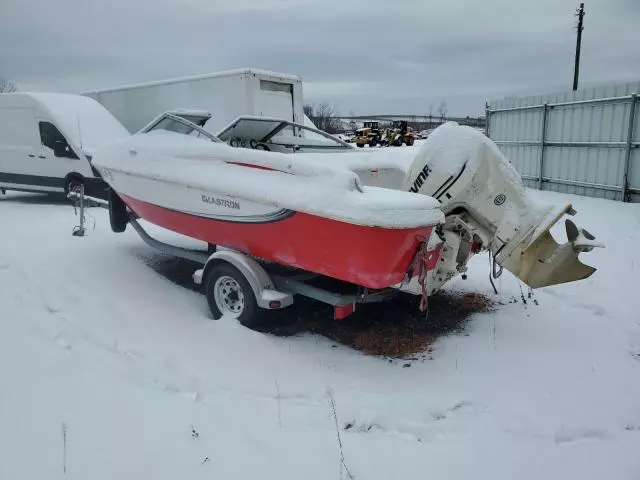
263,287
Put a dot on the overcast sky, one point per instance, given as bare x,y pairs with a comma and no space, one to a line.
364,56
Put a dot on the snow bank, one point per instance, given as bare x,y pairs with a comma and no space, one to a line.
95,334
296,183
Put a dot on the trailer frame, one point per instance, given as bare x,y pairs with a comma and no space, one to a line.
274,286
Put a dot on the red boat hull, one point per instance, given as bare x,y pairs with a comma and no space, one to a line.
372,257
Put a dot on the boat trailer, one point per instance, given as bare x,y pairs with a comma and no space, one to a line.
244,287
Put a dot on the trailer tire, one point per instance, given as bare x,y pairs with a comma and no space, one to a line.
71,183
360,145
228,293
118,217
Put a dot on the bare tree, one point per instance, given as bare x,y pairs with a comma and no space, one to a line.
308,110
323,116
7,86
430,114
442,110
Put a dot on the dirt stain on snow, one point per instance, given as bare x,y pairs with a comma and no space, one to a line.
395,328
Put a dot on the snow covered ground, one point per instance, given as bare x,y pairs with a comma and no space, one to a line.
98,345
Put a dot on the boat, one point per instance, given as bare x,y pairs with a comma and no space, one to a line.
355,218
302,214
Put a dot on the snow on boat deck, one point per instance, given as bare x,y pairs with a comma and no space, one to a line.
287,181
130,363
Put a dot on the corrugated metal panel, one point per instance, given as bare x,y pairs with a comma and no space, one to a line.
524,158
634,169
523,125
636,129
588,123
585,143
586,165
568,96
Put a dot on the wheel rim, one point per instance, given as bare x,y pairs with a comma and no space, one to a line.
228,296
72,186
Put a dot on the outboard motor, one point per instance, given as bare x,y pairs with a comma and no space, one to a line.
486,207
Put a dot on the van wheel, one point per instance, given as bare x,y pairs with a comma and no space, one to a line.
72,184
118,217
262,146
229,294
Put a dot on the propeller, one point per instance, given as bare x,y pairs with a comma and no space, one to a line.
581,239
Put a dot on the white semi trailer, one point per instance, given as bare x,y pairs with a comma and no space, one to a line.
226,95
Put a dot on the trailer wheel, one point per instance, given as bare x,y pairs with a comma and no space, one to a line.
72,183
229,294
117,213
360,145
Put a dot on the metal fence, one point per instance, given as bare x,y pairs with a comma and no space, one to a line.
584,142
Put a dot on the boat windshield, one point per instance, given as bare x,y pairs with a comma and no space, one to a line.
278,135
179,124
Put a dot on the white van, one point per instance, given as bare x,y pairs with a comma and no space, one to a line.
47,139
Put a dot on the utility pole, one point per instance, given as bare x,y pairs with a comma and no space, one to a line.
576,70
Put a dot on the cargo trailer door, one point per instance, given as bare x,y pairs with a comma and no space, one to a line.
275,99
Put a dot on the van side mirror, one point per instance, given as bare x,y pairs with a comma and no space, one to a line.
60,148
